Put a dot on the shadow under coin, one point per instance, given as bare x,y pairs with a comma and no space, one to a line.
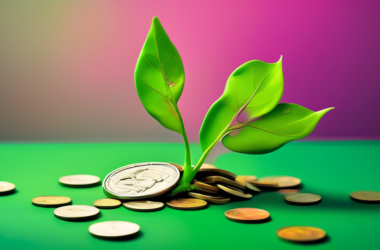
122,238
303,204
367,202
255,221
80,219
14,191
81,186
321,241
52,206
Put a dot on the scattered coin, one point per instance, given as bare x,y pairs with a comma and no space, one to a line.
242,179
6,187
366,196
203,187
301,233
288,191
234,191
187,204
251,187
79,180
107,203
179,167
209,198
112,229
202,172
246,214
303,199
282,181
222,180
73,212
143,205
270,184
51,201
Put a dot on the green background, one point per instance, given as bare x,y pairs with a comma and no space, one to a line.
330,169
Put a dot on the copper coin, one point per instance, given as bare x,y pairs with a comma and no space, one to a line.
270,184
368,196
282,181
242,179
288,191
187,203
301,233
107,203
303,199
246,214
51,201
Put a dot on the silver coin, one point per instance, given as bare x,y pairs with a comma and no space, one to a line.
76,212
79,180
6,186
141,180
143,205
113,228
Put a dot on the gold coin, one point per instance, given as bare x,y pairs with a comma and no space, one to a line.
301,233
367,196
143,205
207,166
187,204
217,172
251,187
246,214
288,191
270,184
303,199
79,180
242,179
222,180
107,203
235,192
282,181
179,167
51,201
209,198
6,187
204,187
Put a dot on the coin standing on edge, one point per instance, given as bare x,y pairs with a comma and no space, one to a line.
246,214
73,212
282,181
6,187
303,199
107,203
51,201
79,180
187,204
301,233
366,196
113,229
143,205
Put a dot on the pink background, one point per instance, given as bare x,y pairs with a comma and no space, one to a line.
66,67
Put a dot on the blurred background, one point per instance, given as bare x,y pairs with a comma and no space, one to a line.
66,67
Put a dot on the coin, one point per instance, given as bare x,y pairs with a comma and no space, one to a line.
288,191
143,205
235,192
246,214
367,196
51,201
270,184
207,166
209,198
204,187
215,171
303,199
251,187
282,181
141,180
107,203
6,187
76,212
79,180
113,229
187,204
222,180
301,233
179,167
242,179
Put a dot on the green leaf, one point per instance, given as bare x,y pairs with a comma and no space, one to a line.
287,122
252,90
160,77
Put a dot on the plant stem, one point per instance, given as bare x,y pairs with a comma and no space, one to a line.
187,165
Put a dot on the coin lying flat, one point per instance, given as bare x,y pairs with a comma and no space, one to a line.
234,191
187,204
303,199
204,187
269,184
207,166
242,179
73,212
6,187
112,229
222,180
209,198
367,196
107,203
301,233
282,181
246,214
288,191
216,171
141,181
251,187
79,180
51,201
143,205
179,167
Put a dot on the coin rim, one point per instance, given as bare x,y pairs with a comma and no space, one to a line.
86,184
296,202
234,192
114,206
241,220
187,208
162,205
357,199
76,217
8,190
278,230
113,236
278,183
51,205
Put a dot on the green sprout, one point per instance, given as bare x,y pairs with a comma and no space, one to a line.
247,118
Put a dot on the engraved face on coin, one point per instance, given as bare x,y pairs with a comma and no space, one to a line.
76,212
143,205
114,228
246,214
187,203
302,199
366,196
301,233
79,180
6,187
141,181
283,181
51,201
107,203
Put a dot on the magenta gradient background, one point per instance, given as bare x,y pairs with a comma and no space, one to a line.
66,67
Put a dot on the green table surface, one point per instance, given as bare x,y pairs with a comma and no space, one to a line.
330,169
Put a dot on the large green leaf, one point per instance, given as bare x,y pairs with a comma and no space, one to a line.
160,77
287,122
252,90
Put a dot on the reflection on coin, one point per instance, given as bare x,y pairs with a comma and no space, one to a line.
143,205
187,203
114,228
242,179
234,191
107,203
204,187
6,187
222,180
367,196
179,167
79,180
209,198
288,191
283,181
251,187
269,184
76,212
301,233
246,214
303,199
51,201
141,181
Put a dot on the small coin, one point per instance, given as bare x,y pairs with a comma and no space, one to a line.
179,167
76,212
207,166
283,181
113,229
251,187
246,214
301,233
242,179
367,196
203,187
303,199
211,199
234,191
6,187
79,180
288,191
51,201
202,172
222,180
107,203
270,184
187,203
143,205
